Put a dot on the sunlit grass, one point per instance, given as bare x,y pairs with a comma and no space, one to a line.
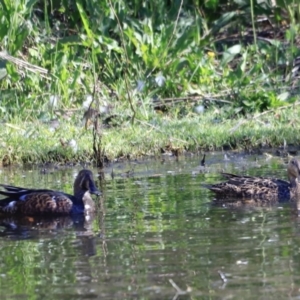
37,142
134,58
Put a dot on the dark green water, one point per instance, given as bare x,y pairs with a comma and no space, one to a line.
152,230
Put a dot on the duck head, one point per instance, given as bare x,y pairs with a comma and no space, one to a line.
84,182
294,171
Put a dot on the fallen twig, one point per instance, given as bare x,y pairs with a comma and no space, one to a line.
223,277
22,63
275,109
179,291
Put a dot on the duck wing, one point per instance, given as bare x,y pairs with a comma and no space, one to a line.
18,193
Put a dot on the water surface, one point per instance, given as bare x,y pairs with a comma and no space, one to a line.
156,235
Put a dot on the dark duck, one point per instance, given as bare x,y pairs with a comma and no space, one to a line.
45,202
259,187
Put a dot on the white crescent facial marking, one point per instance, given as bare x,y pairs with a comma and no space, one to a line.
11,204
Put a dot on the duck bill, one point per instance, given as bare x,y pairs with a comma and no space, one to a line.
90,185
94,190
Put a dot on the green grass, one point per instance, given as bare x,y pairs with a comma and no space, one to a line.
35,142
132,56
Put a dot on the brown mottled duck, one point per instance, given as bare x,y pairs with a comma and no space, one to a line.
45,202
259,187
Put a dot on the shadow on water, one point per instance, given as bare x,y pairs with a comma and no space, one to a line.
156,235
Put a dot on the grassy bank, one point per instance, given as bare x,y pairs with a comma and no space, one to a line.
171,76
37,142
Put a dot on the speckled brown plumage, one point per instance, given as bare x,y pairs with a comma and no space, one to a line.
264,189
42,203
47,202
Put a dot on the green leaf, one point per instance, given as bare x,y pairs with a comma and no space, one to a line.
283,96
236,49
212,4
244,63
230,54
223,21
85,21
247,103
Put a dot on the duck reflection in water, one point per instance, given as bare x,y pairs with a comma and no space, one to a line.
36,228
